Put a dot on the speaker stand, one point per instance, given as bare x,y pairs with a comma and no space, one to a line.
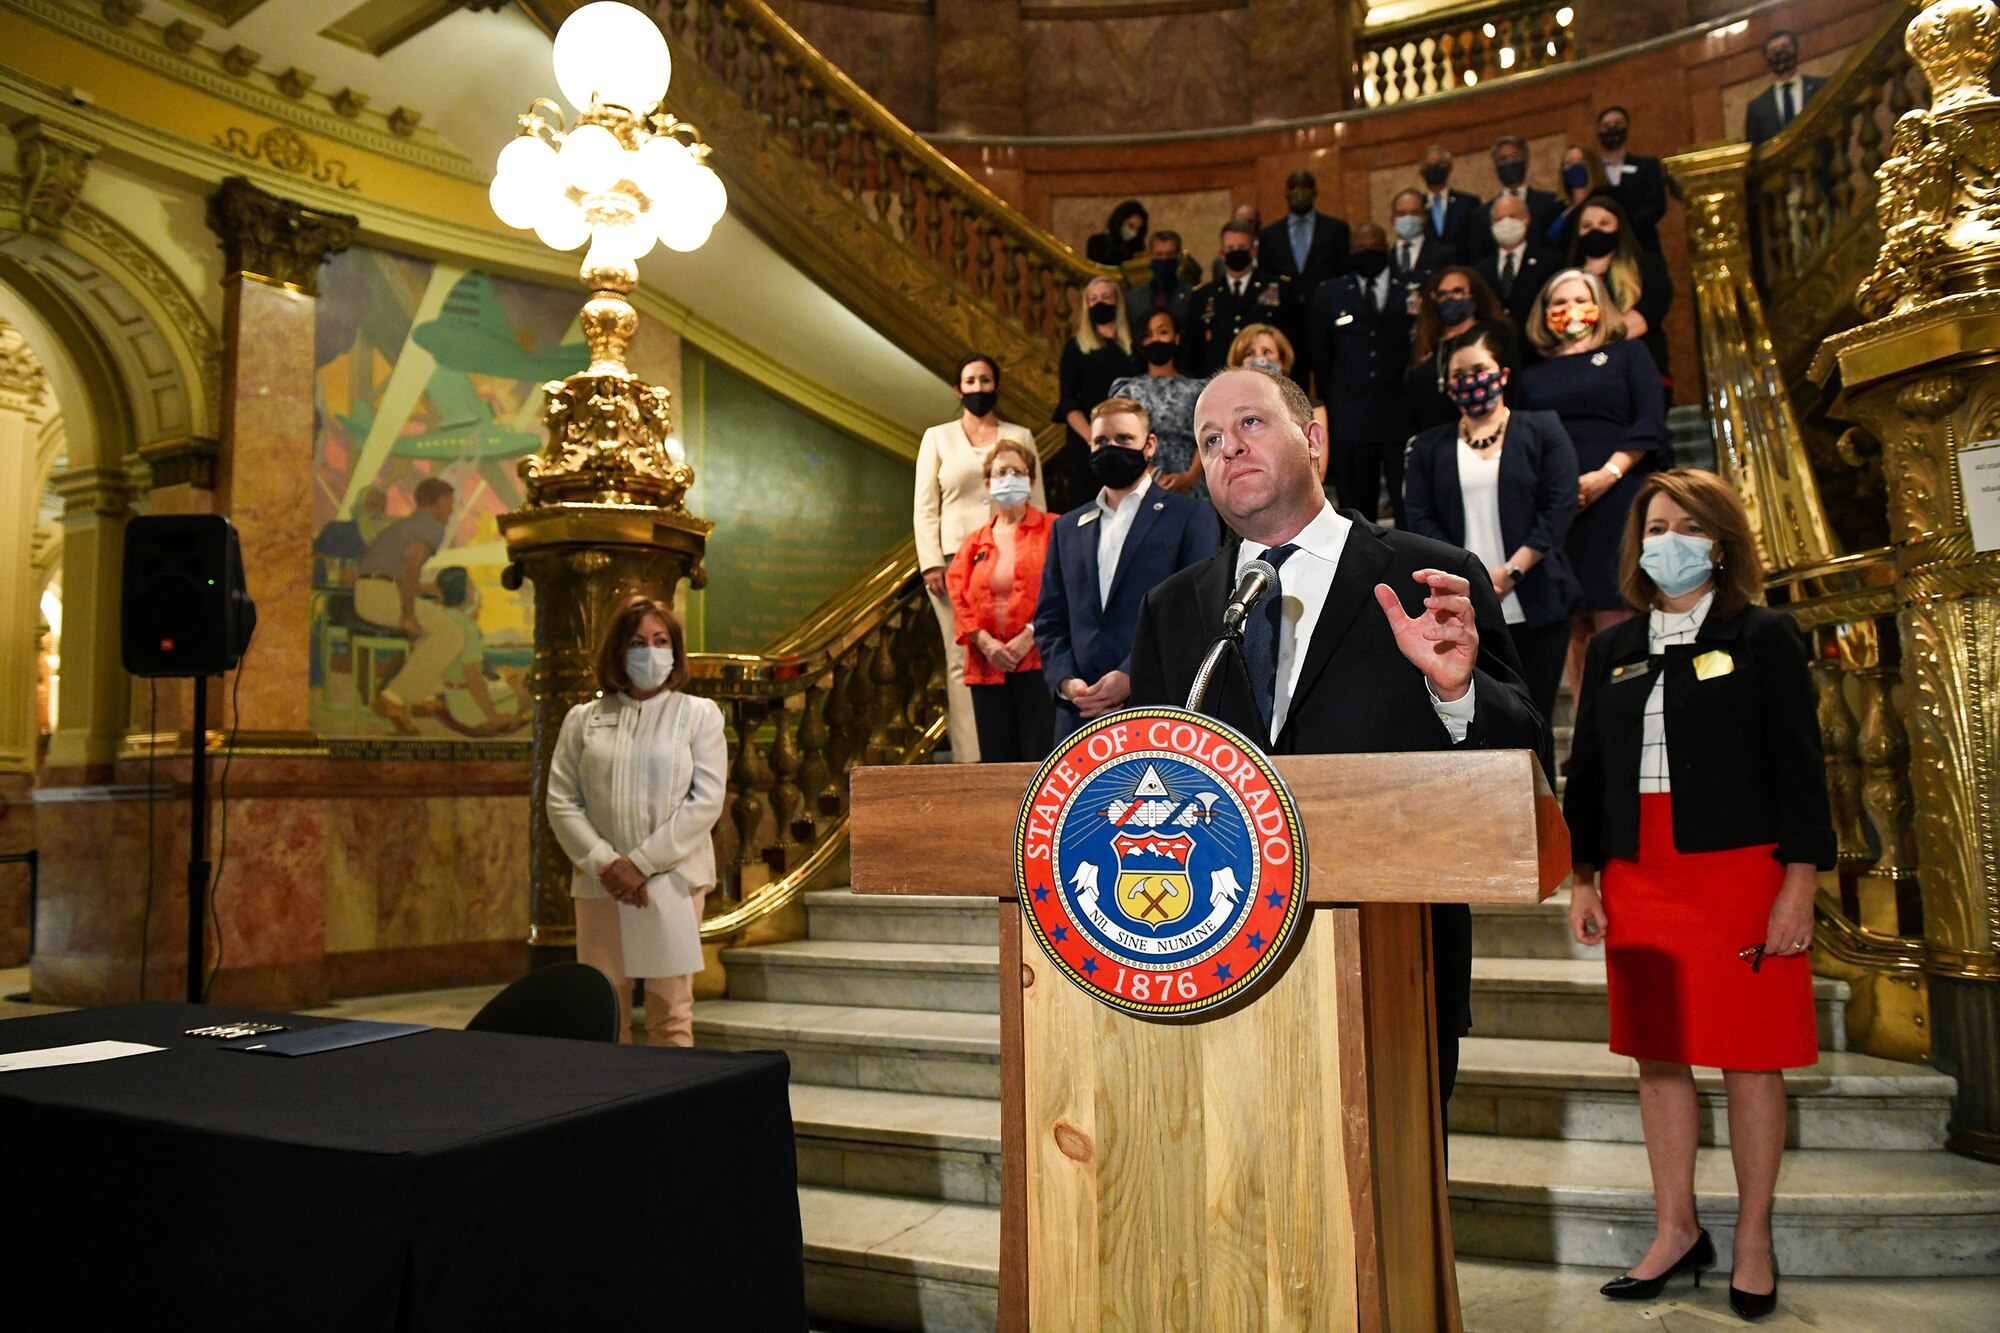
198,867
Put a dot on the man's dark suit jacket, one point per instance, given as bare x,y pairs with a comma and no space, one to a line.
1543,210
1464,228
1357,355
1762,120
1538,265
1327,258
1083,638
1216,315
1357,693
1643,191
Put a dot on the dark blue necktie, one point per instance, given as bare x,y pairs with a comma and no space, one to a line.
1260,638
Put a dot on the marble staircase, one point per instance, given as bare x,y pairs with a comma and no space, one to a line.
888,1010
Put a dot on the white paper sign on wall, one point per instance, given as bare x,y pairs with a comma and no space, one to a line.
1979,482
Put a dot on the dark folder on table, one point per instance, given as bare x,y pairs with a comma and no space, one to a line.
311,1041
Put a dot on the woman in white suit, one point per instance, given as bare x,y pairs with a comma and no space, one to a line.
635,788
951,505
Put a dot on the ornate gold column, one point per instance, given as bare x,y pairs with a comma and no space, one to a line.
1758,445
604,520
1924,378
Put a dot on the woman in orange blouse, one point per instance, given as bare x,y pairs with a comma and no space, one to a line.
994,583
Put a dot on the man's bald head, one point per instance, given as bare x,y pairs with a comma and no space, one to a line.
1510,206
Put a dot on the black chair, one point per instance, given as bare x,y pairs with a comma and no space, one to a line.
572,1000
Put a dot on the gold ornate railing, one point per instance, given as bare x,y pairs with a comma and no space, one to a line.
859,681
1813,189
1461,49
1870,912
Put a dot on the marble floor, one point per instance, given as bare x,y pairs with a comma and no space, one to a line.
1497,1297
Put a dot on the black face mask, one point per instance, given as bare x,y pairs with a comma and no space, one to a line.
1157,353
1512,173
1613,137
1301,201
1435,176
1236,260
1370,263
1166,271
1597,244
980,403
1455,310
1103,312
1783,63
1116,467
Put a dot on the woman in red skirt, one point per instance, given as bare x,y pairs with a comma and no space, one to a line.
1698,820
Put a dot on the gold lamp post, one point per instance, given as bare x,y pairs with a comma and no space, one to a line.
604,517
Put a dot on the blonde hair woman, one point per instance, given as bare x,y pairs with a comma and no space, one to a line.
1606,390
951,504
635,788
1606,248
1097,353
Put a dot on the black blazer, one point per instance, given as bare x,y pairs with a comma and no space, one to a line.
1538,264
1743,747
1537,502
1357,355
1076,634
1643,192
1326,258
1357,693
1762,120
1464,229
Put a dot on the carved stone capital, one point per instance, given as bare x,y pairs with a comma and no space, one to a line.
188,461
21,376
53,163
275,240
94,492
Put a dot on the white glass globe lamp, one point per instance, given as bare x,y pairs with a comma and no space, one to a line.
615,53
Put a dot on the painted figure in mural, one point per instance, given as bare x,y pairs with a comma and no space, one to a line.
468,702
389,592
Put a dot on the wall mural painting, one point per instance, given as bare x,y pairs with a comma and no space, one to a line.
428,377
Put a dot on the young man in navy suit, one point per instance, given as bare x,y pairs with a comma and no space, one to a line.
1104,557
1457,218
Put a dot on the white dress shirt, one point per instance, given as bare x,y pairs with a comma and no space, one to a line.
1378,290
1304,580
1112,530
1615,166
1794,88
1667,629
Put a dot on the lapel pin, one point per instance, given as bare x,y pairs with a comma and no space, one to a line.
1159,504
1600,358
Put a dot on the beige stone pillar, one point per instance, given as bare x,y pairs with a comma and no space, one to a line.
23,396
91,724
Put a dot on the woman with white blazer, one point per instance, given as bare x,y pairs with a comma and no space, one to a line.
635,788
952,504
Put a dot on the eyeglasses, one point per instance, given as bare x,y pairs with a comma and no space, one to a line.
1754,955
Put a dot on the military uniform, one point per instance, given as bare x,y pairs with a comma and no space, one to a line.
1216,314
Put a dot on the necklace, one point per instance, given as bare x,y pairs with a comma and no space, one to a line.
1486,441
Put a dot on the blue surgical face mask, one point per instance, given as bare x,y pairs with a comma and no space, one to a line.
1010,492
649,667
1409,226
1263,363
1677,563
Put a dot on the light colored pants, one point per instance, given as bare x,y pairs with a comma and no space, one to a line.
431,653
669,1000
959,724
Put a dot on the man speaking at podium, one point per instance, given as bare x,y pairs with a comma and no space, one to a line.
1371,641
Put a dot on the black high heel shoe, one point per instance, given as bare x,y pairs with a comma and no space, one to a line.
1699,1256
1749,1305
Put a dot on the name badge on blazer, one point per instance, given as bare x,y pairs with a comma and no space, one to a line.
1090,517
1631,670
1343,321
1712,664
604,719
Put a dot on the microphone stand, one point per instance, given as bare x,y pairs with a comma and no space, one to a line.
1198,692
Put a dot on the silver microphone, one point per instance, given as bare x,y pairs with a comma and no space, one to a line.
1256,580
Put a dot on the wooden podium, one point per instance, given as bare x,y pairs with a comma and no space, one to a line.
1280,1166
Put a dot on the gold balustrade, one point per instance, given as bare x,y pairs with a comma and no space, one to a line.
859,681
1441,53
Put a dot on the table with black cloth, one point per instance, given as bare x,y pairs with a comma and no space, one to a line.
439,1181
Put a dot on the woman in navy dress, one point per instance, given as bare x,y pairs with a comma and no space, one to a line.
1606,389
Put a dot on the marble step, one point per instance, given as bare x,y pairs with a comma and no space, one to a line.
913,1144
1838,1213
1537,931
842,914
1562,999
891,1050
1580,1091
963,978
891,1263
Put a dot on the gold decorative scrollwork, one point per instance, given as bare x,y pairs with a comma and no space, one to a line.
288,151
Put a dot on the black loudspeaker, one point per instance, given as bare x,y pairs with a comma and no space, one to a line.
185,609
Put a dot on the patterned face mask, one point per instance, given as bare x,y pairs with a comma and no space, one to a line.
1574,322
1477,394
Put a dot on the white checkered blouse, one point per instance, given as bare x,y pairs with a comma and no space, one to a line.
1668,628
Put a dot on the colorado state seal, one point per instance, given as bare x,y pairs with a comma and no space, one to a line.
1160,862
